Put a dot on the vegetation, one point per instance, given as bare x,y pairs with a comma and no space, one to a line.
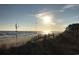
66,43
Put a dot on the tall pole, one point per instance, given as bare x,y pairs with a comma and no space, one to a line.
16,30
16,26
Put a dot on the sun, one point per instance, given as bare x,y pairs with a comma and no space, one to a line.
46,32
46,19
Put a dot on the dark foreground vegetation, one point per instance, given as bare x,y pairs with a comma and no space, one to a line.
66,43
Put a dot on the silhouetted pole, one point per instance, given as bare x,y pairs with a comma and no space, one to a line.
16,26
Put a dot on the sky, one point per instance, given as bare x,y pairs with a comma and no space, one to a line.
30,17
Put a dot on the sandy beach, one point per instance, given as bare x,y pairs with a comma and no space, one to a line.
8,41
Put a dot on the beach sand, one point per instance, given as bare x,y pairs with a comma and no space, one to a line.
9,41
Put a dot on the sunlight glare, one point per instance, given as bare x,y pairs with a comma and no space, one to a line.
46,19
46,32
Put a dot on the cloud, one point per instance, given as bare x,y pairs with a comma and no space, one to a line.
45,20
69,6
54,25
75,17
46,16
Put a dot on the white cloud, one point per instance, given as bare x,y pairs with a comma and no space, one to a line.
68,6
43,10
62,10
75,17
72,6
55,24
46,16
